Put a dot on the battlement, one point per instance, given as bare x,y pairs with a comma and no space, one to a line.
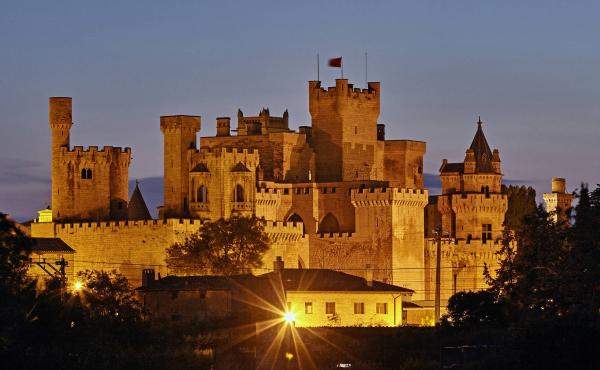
105,155
343,89
347,236
283,227
180,122
359,149
226,153
478,200
382,196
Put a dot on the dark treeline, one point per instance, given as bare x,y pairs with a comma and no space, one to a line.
99,327
545,296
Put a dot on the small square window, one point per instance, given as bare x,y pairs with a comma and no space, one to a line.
308,309
330,308
359,308
381,308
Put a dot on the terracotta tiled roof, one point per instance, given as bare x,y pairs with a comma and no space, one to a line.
328,280
50,245
453,167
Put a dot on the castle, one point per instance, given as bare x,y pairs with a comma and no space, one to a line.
337,194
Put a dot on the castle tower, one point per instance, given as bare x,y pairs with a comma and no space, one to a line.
179,137
60,120
87,184
344,130
472,205
559,201
223,126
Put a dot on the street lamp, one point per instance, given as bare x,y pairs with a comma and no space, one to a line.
77,286
289,317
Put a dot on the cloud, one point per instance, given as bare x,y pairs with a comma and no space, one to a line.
15,171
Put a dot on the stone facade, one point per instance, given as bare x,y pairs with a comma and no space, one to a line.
558,203
87,184
334,195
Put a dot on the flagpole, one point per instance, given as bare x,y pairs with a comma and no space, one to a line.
318,76
342,65
366,71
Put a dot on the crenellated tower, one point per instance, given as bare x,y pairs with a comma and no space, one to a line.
87,183
344,130
472,205
179,140
559,202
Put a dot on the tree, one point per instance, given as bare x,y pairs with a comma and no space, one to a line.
521,202
226,246
17,290
108,296
470,309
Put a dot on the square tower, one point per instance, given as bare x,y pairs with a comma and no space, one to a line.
344,130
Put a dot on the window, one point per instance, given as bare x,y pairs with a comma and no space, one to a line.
86,173
330,308
238,193
308,307
381,308
202,194
359,308
486,232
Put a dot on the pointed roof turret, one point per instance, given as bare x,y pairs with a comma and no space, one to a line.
482,151
137,209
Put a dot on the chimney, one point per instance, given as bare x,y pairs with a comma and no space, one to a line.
369,275
278,264
147,277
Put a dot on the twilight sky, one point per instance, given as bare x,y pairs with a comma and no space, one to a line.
530,69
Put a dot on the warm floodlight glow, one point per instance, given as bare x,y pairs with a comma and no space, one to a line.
289,317
289,356
77,286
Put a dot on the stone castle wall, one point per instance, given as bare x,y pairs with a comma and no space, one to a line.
131,246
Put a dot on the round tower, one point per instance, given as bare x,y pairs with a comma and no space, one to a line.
558,202
60,119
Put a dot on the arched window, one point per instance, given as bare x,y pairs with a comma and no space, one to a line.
89,173
202,194
83,174
329,224
296,218
238,193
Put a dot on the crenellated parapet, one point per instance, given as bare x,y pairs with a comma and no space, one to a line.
279,231
108,155
345,93
492,203
369,197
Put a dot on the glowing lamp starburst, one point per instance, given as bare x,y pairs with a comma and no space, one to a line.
78,286
289,317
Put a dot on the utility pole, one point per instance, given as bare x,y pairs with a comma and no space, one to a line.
438,261
62,276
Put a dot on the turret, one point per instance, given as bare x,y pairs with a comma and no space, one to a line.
179,137
496,162
60,120
223,126
470,162
559,201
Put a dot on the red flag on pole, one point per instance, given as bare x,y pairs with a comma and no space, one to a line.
335,62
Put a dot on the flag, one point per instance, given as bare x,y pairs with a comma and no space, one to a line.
335,62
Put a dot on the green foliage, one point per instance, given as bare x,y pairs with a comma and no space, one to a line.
471,309
226,246
16,289
521,202
108,296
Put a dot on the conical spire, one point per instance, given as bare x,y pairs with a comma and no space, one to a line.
483,153
137,209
